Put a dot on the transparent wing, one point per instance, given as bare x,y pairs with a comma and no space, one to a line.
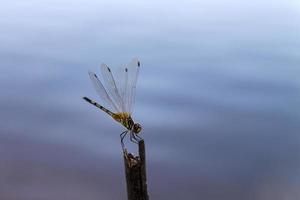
121,77
132,72
102,92
111,87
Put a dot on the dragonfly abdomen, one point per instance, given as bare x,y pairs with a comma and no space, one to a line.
99,106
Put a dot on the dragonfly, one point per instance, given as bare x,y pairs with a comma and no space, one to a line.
117,92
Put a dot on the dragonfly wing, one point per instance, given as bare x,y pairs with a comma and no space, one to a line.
111,87
102,92
121,76
132,72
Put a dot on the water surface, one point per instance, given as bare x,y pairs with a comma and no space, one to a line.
218,97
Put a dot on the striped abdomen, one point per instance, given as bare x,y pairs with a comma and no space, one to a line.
98,106
123,118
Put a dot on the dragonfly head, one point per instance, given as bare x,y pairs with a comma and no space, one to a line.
136,128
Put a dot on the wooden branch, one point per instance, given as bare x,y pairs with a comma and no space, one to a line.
135,171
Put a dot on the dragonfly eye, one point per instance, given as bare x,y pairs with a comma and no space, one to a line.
137,128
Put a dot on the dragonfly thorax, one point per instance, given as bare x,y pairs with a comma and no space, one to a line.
126,120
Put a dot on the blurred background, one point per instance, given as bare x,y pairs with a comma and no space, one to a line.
218,97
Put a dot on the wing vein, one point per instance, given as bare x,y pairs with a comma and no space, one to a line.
101,91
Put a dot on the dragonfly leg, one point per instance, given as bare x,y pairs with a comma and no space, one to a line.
135,138
131,138
122,136
139,138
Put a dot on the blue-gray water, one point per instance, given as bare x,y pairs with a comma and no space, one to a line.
218,96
